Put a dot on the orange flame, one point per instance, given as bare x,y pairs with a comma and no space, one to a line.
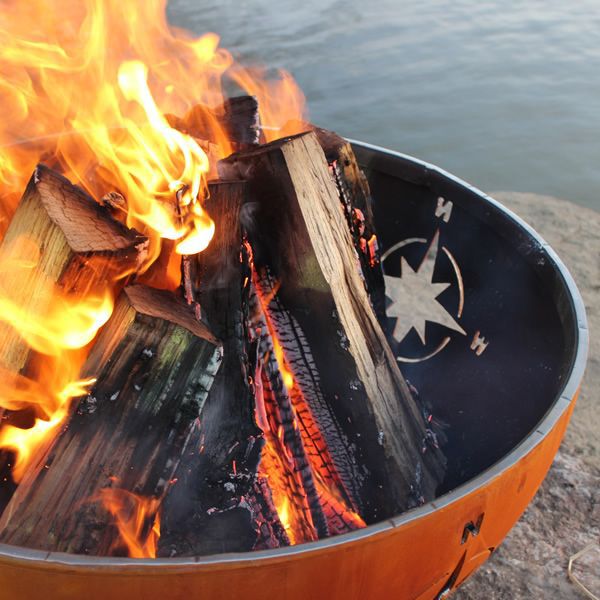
88,88
60,321
56,326
137,520
339,514
281,104
84,87
26,443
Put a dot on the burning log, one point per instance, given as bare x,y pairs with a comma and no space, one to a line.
308,429
220,279
277,418
215,481
359,399
59,242
312,490
77,245
236,121
155,364
241,120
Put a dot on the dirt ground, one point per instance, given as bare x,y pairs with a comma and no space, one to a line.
564,517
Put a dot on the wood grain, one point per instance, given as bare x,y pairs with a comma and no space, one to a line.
155,364
302,239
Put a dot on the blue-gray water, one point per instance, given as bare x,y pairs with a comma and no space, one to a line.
504,93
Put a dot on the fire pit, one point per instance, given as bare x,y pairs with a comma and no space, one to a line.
500,363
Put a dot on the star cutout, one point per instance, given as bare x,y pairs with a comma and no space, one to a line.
414,297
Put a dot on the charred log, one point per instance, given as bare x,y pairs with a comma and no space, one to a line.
326,489
236,121
241,120
278,422
155,365
219,473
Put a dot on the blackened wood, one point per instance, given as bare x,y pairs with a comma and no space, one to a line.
271,533
220,469
220,279
329,492
281,428
155,364
241,120
302,240
236,121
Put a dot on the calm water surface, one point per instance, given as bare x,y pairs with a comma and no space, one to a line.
504,93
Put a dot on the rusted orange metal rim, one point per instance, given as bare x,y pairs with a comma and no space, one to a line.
561,404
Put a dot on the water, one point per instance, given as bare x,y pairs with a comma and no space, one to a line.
504,93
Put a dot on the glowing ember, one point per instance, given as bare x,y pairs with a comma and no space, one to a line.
286,491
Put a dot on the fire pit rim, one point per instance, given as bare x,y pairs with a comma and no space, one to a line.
541,430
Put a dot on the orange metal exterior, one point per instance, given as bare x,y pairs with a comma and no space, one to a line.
411,560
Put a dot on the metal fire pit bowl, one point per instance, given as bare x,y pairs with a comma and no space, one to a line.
501,363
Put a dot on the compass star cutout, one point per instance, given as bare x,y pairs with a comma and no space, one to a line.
415,295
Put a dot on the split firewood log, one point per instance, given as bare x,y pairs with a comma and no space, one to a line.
60,241
208,510
155,364
79,247
301,241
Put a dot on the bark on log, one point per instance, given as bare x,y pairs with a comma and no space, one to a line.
155,364
363,407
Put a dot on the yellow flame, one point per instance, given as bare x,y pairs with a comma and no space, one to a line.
131,514
283,511
27,442
55,325
68,323
88,86
170,163
85,87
